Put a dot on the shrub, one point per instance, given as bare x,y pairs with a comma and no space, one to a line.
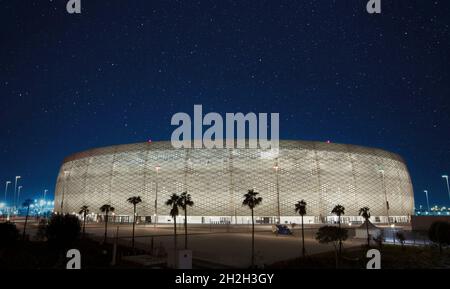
62,230
439,233
8,234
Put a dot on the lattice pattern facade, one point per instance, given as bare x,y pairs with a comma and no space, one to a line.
323,174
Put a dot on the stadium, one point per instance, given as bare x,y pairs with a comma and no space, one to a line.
321,173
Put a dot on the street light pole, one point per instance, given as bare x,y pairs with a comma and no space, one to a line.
6,190
64,191
385,195
15,190
156,196
448,188
18,195
428,204
276,168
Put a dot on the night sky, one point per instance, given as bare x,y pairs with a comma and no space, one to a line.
118,72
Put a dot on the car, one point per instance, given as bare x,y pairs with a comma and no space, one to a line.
281,230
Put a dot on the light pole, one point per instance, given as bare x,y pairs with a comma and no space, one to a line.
448,188
428,204
64,191
385,195
156,196
45,202
276,168
393,233
15,190
19,188
6,190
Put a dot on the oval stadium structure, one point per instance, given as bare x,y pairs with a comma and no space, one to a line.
322,174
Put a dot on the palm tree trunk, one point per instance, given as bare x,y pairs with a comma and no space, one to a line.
253,241
175,231
367,228
336,257
340,241
303,240
84,224
134,223
25,225
175,242
106,227
185,229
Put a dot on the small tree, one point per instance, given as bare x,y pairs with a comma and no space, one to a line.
339,211
332,234
401,238
439,233
84,211
106,209
379,240
134,201
184,202
364,212
300,208
251,200
26,204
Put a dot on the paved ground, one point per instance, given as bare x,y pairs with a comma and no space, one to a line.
221,244
229,246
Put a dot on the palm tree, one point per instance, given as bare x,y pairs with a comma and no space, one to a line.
184,201
252,200
84,210
106,209
134,201
339,210
26,204
300,208
174,202
364,212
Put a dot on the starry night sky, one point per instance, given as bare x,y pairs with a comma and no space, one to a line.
119,71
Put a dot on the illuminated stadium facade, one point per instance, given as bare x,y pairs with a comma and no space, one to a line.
323,174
